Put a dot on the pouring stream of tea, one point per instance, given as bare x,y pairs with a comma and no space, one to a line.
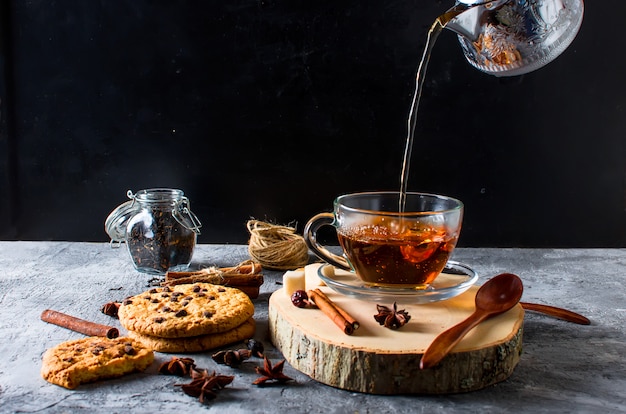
436,28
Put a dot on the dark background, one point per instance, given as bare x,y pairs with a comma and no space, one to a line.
270,109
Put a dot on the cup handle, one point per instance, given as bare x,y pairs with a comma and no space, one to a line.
310,237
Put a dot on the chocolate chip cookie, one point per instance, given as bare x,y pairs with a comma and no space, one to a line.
197,343
94,358
187,310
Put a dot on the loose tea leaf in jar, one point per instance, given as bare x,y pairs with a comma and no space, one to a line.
162,236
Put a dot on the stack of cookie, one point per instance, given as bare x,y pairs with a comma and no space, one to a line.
188,317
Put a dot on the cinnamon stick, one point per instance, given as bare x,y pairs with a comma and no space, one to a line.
250,285
252,291
79,325
346,315
246,277
331,310
242,270
228,280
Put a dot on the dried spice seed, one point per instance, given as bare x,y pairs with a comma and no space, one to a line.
155,281
110,309
232,358
256,347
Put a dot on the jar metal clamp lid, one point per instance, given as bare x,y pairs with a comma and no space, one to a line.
117,221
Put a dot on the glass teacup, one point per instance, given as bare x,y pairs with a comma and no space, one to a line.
386,247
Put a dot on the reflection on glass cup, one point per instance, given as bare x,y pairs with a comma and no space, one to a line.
386,247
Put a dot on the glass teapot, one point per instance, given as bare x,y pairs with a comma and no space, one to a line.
513,37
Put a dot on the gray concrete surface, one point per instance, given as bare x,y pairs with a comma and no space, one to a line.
564,367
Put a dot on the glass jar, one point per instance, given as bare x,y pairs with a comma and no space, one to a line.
158,227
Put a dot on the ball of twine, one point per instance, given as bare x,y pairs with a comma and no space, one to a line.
276,247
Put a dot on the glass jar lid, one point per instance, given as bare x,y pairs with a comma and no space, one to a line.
116,222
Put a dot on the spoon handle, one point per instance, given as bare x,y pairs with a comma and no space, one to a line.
446,340
560,313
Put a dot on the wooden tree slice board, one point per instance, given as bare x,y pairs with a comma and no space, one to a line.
378,360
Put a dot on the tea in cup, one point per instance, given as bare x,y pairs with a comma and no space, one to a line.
387,244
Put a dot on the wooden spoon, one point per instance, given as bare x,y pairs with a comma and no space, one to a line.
496,296
566,315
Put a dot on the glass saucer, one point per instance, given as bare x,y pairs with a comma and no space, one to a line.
455,279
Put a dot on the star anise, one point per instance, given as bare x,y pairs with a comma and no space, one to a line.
204,385
177,366
271,373
391,318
